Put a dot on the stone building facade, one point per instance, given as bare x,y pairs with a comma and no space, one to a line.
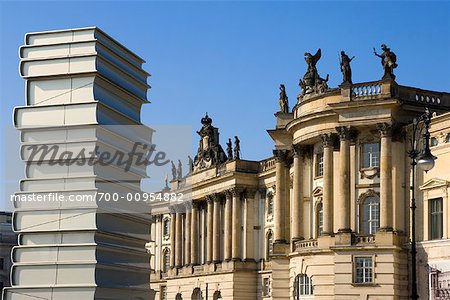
326,217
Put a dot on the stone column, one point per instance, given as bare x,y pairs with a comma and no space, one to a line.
328,187
386,207
297,205
236,225
194,234
227,226
173,217
178,241
343,201
216,229
279,206
187,238
249,225
209,230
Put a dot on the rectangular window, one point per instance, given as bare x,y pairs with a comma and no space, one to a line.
2,262
435,219
266,287
163,292
363,269
319,164
371,155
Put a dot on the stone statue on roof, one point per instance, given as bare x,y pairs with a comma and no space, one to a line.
312,82
284,104
388,61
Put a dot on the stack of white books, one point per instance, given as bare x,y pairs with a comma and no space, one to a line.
84,93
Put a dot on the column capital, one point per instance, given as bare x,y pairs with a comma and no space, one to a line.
301,150
249,193
327,140
281,155
385,129
211,198
346,132
234,191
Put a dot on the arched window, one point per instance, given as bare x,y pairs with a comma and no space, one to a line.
370,215
303,287
196,294
434,142
269,244
166,228
166,260
319,210
217,295
178,297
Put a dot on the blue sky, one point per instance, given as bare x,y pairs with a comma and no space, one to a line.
228,58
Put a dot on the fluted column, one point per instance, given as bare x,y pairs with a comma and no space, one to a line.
328,187
187,238
227,226
178,240
279,206
386,207
173,217
249,225
343,201
216,229
297,205
209,229
194,234
236,237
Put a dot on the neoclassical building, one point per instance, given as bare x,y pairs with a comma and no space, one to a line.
326,217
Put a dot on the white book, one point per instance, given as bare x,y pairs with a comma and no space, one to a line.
82,35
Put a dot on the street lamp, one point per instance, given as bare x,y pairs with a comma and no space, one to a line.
425,161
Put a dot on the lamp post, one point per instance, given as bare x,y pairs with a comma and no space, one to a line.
425,161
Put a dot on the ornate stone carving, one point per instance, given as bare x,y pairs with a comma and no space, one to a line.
388,61
385,129
368,193
210,152
346,132
312,82
327,140
229,149
281,155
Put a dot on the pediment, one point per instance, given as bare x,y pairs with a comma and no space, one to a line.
317,192
434,183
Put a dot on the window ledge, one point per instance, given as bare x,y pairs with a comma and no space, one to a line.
365,284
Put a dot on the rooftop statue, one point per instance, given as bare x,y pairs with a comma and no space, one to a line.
284,104
229,149
388,60
179,170
237,148
174,171
190,164
345,67
312,82
209,152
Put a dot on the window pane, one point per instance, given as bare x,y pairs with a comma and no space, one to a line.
435,218
371,155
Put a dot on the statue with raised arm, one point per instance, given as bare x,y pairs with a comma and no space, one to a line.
229,149
345,67
388,61
174,171
284,104
237,148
